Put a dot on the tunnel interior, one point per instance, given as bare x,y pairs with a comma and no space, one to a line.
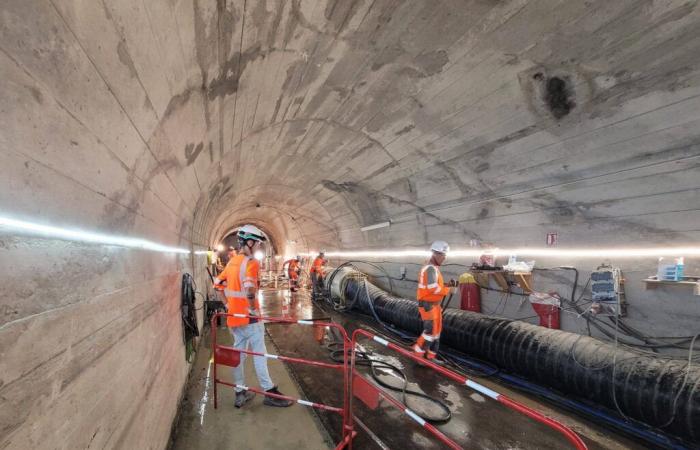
136,135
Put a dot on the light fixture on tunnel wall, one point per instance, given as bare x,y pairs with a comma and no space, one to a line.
259,255
48,231
220,248
612,252
376,226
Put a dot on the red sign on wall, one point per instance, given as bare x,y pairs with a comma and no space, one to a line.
552,239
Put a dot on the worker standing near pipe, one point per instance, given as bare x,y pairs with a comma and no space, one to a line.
293,269
241,277
317,271
431,291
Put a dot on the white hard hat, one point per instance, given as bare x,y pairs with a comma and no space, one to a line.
322,252
440,247
251,232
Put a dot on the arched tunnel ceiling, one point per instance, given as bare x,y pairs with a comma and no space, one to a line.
436,115
463,119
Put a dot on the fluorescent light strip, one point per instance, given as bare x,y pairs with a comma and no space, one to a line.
375,226
620,252
84,236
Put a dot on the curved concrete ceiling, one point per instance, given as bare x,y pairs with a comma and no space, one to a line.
478,120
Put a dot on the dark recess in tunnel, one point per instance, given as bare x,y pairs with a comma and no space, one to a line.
558,96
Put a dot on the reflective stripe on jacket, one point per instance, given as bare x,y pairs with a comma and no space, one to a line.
240,273
431,287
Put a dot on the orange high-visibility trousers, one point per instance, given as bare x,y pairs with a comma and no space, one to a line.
431,313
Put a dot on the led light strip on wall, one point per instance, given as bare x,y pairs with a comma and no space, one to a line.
612,252
7,224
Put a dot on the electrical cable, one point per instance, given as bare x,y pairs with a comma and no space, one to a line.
365,358
188,313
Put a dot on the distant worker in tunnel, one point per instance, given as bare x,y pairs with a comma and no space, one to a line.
317,271
293,270
431,291
241,277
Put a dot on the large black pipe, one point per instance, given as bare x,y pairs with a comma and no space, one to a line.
663,393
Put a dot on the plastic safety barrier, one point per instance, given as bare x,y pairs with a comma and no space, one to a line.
569,434
364,389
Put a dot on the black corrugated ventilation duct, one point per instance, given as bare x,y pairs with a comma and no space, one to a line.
660,392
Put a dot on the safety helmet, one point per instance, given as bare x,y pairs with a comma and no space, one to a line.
322,252
440,247
251,232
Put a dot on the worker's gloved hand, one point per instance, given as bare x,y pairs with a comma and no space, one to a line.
252,312
218,287
452,283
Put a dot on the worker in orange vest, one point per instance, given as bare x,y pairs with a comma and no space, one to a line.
242,283
317,271
293,269
431,291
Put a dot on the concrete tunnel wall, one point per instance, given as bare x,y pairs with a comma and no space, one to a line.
175,120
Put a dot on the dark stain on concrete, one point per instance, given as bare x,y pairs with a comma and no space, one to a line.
387,56
220,187
360,200
382,170
211,151
291,71
559,96
361,150
228,80
485,150
453,175
176,102
405,130
297,18
483,167
339,12
192,152
125,58
431,63
483,213
36,93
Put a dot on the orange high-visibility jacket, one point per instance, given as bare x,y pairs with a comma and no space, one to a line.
292,269
240,273
318,265
431,288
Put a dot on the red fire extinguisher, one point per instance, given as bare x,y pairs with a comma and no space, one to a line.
546,306
469,293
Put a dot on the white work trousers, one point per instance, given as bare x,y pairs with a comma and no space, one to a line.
251,337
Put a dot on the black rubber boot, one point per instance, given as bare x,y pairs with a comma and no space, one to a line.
278,402
243,397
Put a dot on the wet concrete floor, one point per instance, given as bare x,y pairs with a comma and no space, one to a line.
255,426
477,422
